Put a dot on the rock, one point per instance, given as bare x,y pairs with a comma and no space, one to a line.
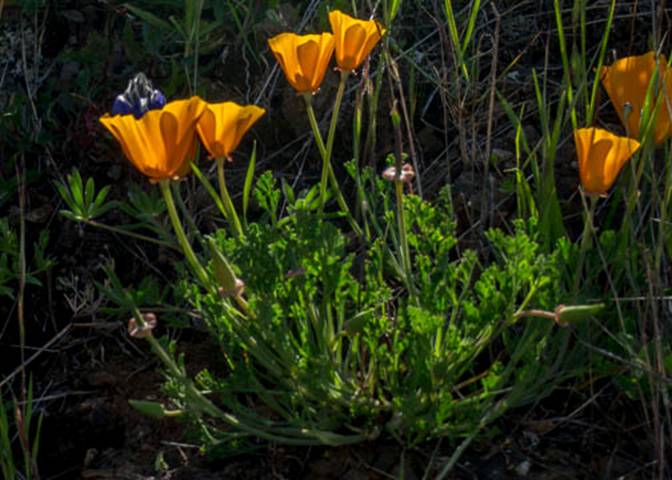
523,468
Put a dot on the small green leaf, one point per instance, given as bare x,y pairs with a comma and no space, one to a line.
89,193
288,191
75,181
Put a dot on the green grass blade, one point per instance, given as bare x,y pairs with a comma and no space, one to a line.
455,36
211,190
148,17
600,62
565,60
475,8
89,193
75,181
249,177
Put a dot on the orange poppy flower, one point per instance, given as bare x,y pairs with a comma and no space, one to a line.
627,81
162,142
222,126
354,39
601,157
303,58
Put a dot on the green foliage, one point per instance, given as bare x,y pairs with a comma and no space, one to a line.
267,195
461,40
17,429
148,293
82,200
335,347
340,337
148,209
6,455
10,270
182,32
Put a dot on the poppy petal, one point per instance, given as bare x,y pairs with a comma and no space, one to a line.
354,39
303,58
627,82
158,144
223,125
601,156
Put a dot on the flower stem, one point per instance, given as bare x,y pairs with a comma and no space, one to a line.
403,237
588,230
232,216
321,147
308,99
399,193
342,204
330,148
121,231
325,153
334,117
182,208
195,398
181,236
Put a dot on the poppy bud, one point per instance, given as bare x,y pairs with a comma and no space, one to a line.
222,126
237,290
568,314
144,330
407,174
303,58
354,39
231,286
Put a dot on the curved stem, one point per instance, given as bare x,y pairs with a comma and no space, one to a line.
404,251
403,237
203,404
181,236
341,202
121,231
308,99
197,399
182,208
232,216
320,145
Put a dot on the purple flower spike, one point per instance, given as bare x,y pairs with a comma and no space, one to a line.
121,106
139,97
157,100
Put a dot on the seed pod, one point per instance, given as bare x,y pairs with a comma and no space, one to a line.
236,291
407,174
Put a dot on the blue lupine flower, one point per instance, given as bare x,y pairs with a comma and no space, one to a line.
139,97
